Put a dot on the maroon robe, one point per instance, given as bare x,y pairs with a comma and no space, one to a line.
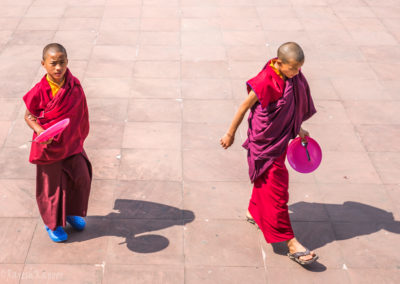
273,121
276,118
64,172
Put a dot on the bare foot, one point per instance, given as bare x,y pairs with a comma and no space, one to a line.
294,246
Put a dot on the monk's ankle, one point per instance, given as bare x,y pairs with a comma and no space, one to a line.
249,215
293,245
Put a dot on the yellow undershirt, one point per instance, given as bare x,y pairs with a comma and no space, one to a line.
276,70
54,86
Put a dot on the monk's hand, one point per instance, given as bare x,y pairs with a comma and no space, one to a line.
45,142
227,140
303,133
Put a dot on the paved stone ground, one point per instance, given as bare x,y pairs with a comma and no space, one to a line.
163,79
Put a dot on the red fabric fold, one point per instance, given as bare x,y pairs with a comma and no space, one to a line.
267,85
70,102
268,203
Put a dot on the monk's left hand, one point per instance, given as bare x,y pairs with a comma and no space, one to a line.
45,142
48,141
303,133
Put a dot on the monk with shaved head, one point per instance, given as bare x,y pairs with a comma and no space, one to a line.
290,51
64,173
279,99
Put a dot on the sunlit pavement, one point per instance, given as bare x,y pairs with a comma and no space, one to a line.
163,80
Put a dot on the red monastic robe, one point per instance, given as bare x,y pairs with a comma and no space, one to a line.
64,172
273,121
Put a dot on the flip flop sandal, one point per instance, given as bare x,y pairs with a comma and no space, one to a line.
250,220
296,257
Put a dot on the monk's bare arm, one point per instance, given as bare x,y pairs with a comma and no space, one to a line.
30,119
229,137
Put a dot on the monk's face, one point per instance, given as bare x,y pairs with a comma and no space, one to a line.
55,64
289,69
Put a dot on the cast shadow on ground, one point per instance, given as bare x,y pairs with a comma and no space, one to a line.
317,224
134,221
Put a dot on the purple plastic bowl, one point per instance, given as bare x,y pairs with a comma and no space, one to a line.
298,158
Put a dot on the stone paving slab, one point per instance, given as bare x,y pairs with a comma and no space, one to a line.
163,80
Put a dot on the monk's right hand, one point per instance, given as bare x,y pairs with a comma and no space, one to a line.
227,140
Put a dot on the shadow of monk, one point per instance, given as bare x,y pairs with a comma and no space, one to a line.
355,219
134,221
318,224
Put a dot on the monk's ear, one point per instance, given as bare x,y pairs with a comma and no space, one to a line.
42,62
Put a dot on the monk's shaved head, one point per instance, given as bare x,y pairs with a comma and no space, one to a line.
290,51
53,47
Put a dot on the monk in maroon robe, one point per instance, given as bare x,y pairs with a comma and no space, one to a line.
279,99
64,172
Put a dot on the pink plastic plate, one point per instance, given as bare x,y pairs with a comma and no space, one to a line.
304,158
52,131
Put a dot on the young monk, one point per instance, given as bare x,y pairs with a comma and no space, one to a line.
64,172
279,99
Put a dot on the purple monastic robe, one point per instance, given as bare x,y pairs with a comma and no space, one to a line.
271,126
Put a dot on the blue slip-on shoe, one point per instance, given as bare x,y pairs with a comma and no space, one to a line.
58,235
77,222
